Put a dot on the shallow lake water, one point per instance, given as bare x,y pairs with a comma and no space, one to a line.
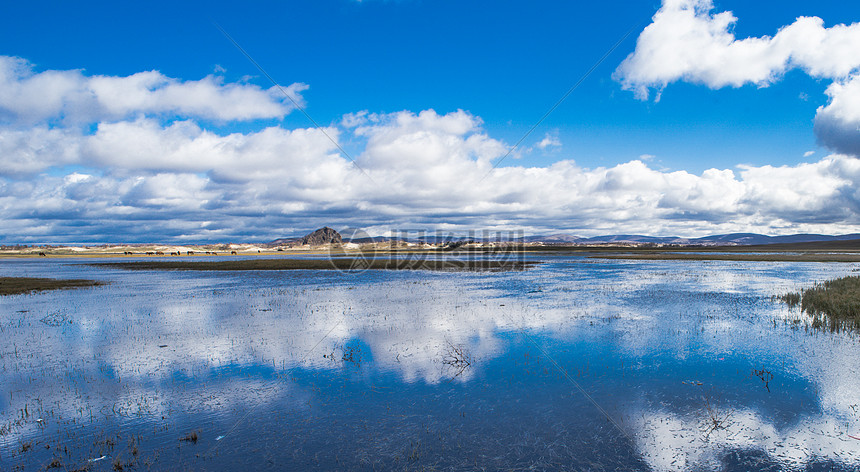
573,364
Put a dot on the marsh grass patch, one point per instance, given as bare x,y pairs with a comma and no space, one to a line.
21,285
833,304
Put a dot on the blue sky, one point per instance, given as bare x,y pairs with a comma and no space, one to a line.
434,94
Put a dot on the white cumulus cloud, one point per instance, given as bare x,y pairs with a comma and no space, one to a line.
837,124
687,41
135,174
24,152
549,141
421,170
70,95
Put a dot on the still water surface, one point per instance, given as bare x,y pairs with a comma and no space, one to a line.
574,364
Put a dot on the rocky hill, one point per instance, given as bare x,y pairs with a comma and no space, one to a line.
324,235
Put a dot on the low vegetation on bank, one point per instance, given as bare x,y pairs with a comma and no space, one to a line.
19,285
716,256
344,264
834,304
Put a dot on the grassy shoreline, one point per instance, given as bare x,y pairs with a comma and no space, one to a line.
770,257
590,253
20,285
820,251
343,264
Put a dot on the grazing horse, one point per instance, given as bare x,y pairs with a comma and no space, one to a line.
42,254
190,253
233,252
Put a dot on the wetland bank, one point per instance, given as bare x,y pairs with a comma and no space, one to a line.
571,363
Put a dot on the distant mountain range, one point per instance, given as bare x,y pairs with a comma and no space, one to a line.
734,239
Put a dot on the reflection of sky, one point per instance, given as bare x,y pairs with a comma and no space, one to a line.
662,346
